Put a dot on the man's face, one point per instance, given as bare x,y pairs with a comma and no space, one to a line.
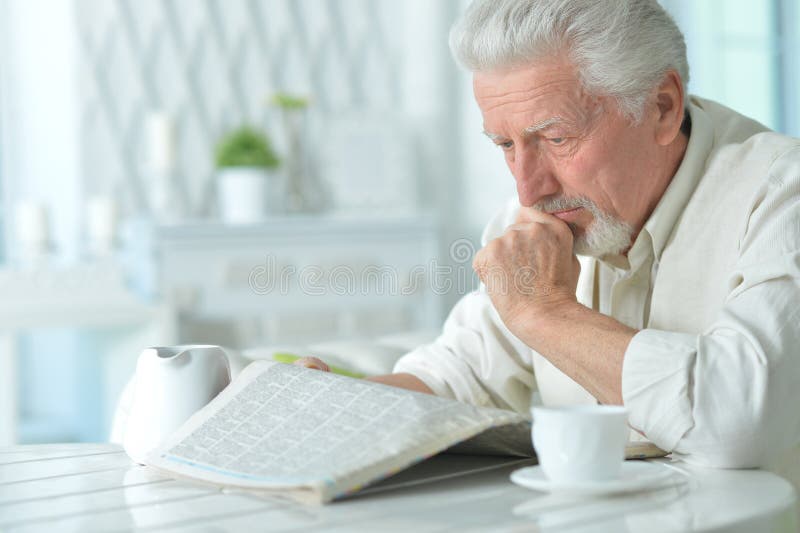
571,154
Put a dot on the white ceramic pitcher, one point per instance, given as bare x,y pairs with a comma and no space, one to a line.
172,383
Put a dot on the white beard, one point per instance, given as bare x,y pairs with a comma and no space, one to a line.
606,235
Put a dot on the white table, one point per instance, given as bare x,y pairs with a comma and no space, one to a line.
94,487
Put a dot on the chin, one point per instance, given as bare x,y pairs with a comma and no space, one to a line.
603,237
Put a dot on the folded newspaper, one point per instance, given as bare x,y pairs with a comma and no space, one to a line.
318,436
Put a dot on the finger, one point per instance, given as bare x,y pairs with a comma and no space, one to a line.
529,214
520,226
524,214
479,258
552,222
539,229
313,363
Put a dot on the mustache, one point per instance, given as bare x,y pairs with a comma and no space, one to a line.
562,203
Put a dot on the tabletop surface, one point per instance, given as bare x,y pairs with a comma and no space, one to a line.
95,487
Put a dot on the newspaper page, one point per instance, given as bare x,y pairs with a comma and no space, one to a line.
511,440
281,426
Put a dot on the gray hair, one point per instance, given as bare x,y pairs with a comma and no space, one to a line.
621,48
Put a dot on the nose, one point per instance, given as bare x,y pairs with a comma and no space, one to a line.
534,176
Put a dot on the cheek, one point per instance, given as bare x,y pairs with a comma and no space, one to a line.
590,173
582,171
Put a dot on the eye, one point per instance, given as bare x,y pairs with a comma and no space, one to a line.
506,145
557,140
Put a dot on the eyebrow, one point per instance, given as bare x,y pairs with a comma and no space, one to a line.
544,124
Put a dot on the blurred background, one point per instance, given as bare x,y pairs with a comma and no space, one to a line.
259,173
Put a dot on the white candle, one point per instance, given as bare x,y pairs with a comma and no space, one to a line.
161,142
32,225
101,224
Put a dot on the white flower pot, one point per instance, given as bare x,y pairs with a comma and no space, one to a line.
243,194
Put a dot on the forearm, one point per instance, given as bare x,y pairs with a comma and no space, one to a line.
404,381
587,346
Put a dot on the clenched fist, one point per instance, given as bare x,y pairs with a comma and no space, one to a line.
530,270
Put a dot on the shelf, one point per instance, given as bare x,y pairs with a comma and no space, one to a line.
293,225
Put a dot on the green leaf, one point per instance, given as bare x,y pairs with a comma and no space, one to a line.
246,147
289,101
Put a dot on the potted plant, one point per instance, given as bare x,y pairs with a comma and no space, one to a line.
244,159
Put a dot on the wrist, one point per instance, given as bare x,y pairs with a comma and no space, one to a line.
546,317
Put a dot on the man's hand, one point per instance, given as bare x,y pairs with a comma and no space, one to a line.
404,381
531,276
530,271
312,362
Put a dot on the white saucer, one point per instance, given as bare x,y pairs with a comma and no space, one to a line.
633,476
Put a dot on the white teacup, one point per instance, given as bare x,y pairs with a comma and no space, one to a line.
172,383
580,443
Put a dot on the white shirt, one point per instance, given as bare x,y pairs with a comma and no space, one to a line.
713,284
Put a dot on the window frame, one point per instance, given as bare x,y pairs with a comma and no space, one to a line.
3,132
786,31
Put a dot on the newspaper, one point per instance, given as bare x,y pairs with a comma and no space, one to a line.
321,436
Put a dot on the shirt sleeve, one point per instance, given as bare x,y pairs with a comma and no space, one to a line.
728,396
476,359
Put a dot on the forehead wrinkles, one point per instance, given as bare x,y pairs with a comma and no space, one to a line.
505,96
579,118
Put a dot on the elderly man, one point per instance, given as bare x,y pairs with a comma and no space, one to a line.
685,305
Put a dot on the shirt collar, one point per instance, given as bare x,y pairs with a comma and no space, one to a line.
659,226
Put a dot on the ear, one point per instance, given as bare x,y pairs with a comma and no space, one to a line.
669,108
